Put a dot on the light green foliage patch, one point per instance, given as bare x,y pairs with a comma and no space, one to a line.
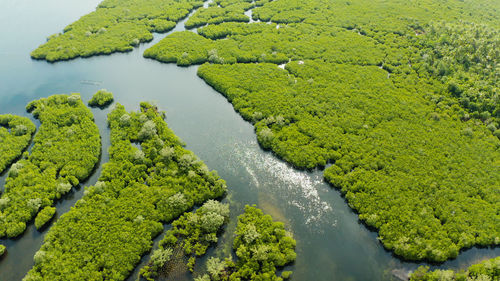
2,249
115,26
220,11
44,216
66,148
15,136
105,234
225,29
193,233
488,270
101,98
261,245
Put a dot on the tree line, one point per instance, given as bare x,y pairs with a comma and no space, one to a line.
488,270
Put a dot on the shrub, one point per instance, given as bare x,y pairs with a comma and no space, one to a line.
101,99
44,216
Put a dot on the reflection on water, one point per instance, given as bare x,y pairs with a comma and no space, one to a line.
276,178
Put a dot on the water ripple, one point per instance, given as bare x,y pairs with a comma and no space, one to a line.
275,178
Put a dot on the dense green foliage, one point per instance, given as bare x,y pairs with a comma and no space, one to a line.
265,43
115,26
192,233
101,99
488,270
15,136
220,11
107,231
261,245
363,88
446,199
466,58
2,249
44,216
66,148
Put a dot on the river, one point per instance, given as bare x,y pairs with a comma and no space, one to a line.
331,242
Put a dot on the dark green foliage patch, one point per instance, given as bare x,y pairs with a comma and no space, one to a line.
488,270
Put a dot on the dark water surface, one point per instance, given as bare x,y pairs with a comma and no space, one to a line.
331,243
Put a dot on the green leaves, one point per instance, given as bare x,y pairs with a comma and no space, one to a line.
101,99
15,136
66,148
261,245
115,26
107,231
485,270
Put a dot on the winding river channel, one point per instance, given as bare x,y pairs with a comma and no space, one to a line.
331,242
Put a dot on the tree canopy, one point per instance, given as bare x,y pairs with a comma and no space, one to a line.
107,231
488,270
261,246
115,26
101,99
66,148
15,136
376,89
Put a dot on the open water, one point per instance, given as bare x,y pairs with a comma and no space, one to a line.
331,242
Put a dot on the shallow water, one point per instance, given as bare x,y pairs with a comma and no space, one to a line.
331,242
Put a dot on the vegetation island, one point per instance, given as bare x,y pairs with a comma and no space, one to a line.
397,101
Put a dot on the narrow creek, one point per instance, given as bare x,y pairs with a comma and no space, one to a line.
331,243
